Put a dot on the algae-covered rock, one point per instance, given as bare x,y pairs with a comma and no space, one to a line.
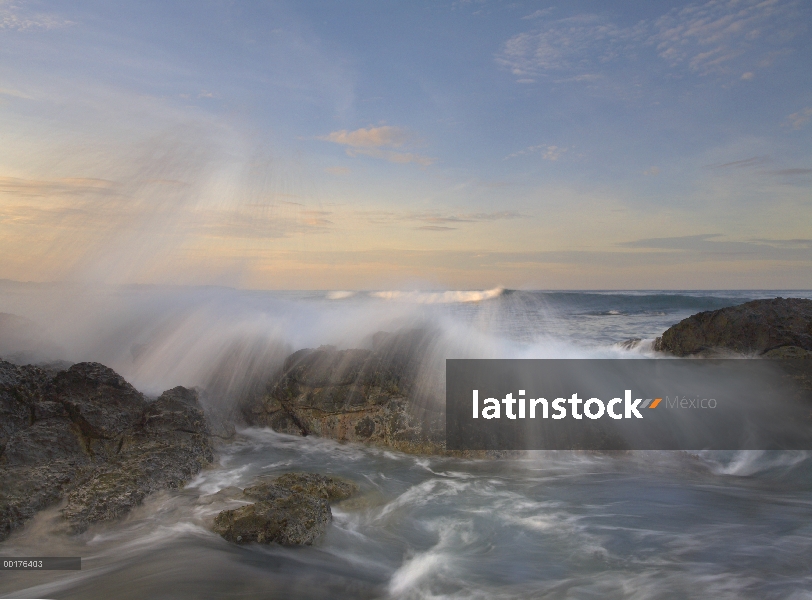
284,517
291,509
327,487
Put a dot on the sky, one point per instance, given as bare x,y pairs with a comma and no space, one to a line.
404,145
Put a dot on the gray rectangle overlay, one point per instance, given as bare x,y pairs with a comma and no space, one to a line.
639,404
41,563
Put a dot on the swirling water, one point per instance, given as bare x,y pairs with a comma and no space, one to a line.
547,525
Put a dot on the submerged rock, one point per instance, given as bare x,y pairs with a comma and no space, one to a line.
286,517
778,328
356,395
312,484
87,435
291,509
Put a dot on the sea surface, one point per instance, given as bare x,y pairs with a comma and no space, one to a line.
643,525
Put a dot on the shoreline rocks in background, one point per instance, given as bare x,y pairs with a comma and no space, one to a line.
88,436
778,328
291,510
368,396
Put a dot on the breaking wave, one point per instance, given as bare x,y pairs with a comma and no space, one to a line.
447,297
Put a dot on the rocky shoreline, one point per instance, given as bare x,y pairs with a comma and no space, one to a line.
83,436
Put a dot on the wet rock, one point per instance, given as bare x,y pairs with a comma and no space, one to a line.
283,516
99,400
291,509
781,327
326,487
357,395
167,447
87,435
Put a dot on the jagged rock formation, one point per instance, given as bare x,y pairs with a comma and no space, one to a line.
367,396
291,510
778,328
88,435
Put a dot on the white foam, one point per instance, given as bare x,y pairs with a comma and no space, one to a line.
447,297
339,295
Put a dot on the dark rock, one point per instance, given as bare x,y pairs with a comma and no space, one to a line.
292,509
99,399
88,435
357,395
44,442
760,327
20,388
168,446
312,484
25,490
284,517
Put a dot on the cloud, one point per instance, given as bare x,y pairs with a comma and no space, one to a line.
377,142
753,161
790,172
707,245
262,222
566,44
747,76
685,242
800,118
704,37
437,219
798,242
14,94
337,170
652,171
14,17
374,137
538,14
548,152
436,228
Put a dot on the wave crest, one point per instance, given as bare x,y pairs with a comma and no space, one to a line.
449,297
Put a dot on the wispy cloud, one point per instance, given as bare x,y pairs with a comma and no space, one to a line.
374,137
791,172
705,37
15,16
709,245
745,163
800,118
14,94
547,152
262,222
543,12
378,142
438,221
566,44
435,228
708,36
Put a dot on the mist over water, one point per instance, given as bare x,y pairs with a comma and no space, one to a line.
549,525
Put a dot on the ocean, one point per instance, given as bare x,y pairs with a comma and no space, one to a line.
543,525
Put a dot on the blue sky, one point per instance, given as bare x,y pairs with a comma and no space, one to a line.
421,144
